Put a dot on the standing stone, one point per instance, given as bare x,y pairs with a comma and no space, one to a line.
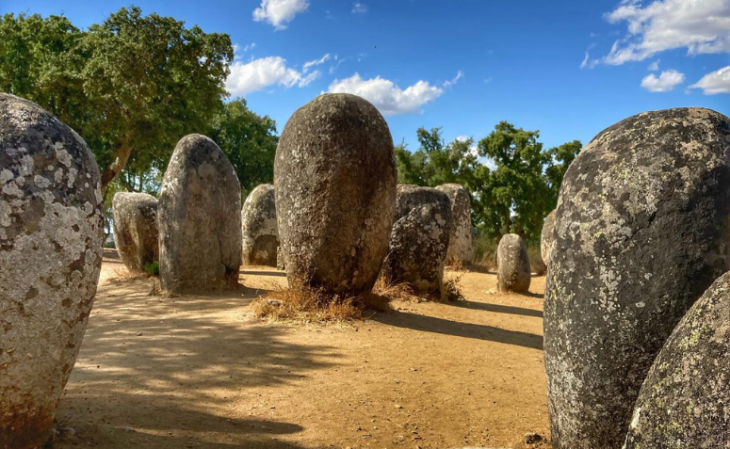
199,219
135,229
259,229
685,399
50,258
546,237
640,234
513,265
335,179
420,240
460,245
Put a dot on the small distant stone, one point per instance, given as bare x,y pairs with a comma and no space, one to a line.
532,438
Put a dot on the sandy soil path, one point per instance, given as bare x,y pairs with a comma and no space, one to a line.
198,372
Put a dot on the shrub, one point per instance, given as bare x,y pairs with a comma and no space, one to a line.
152,268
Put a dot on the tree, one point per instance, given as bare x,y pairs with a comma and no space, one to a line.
131,86
515,193
248,140
149,81
38,61
435,162
561,158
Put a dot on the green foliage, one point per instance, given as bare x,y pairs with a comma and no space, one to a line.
248,140
152,268
131,86
511,195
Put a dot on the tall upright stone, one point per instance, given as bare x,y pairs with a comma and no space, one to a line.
335,179
419,240
259,228
685,399
460,243
199,219
135,229
641,231
546,237
513,265
50,258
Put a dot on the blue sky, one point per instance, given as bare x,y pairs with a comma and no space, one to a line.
568,68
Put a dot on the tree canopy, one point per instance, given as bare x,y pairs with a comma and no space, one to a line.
132,86
513,181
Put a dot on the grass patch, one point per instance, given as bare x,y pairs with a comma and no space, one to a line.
313,305
316,306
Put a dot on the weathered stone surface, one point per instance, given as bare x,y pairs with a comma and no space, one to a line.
684,401
259,228
513,265
135,229
640,233
335,179
50,257
546,237
460,244
199,219
280,265
420,239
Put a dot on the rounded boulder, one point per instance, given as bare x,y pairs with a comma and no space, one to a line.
135,229
460,239
641,231
335,183
420,239
513,265
50,258
259,228
684,399
199,219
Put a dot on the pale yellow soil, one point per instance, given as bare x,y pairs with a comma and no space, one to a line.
199,372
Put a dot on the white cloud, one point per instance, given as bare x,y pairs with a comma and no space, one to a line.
666,81
359,8
279,12
316,62
451,82
386,96
264,72
248,47
700,26
654,66
717,82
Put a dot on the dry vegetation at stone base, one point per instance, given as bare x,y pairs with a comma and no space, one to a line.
312,305
159,372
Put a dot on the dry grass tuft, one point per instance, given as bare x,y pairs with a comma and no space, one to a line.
450,290
455,264
311,305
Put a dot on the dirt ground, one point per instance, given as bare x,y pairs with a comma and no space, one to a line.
200,372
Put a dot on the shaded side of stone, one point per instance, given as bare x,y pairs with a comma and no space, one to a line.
199,219
684,399
640,233
259,228
513,265
50,258
335,179
135,229
460,240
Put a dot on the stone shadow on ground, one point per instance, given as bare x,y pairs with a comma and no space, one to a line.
152,363
424,323
243,272
497,308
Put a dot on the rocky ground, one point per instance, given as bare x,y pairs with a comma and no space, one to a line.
200,372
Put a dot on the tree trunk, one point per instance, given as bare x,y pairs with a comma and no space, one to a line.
120,161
